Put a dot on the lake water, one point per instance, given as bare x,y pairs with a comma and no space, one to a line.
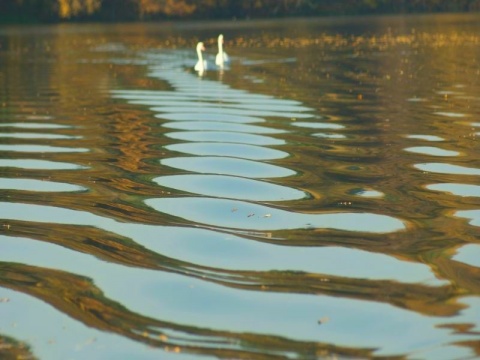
318,197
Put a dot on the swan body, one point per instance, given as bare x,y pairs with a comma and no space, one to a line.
201,64
222,56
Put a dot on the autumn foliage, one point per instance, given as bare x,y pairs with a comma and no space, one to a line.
113,10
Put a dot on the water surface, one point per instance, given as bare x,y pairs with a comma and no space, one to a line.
316,198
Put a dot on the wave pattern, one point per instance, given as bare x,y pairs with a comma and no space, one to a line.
290,207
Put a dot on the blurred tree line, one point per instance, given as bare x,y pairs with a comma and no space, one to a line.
129,10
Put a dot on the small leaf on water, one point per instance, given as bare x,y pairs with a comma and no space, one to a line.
323,320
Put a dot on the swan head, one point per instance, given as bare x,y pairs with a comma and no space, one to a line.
200,46
220,39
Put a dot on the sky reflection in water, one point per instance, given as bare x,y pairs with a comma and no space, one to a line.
232,212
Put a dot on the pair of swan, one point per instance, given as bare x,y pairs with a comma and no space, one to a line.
220,60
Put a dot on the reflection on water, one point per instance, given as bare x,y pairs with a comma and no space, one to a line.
316,199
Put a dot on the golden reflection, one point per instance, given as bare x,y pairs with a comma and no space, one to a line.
11,349
80,299
360,81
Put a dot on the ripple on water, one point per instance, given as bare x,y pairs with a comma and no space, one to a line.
200,246
317,125
243,215
416,99
207,305
443,168
34,126
244,151
230,187
330,136
229,97
38,185
227,166
41,149
38,136
234,96
225,137
221,126
368,193
473,215
450,114
194,106
230,111
38,117
208,117
39,164
42,322
468,254
426,137
457,189
223,251
431,150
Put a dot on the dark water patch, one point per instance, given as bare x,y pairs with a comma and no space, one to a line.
251,152
365,173
225,137
227,166
221,126
230,187
248,216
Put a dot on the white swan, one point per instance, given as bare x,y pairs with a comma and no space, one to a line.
201,64
222,56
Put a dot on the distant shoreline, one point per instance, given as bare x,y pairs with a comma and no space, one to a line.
19,17
272,21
